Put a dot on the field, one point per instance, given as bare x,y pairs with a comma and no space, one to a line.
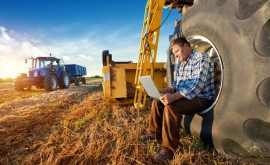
6,85
77,126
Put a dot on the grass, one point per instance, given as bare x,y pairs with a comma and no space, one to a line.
7,92
88,130
85,129
9,95
8,84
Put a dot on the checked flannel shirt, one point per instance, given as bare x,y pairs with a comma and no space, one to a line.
196,77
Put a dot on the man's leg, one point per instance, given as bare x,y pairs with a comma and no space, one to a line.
172,117
156,118
171,126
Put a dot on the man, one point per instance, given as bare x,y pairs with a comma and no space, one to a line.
192,91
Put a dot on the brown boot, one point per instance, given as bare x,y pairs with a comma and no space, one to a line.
146,137
162,156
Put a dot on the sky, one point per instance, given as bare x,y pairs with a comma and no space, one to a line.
76,31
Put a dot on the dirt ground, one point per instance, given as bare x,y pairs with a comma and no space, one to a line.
24,121
77,126
15,108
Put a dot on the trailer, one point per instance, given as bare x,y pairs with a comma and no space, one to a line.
76,73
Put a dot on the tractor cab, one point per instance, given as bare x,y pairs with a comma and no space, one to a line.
46,72
41,65
46,62
49,62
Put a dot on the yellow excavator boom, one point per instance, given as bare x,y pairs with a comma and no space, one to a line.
148,48
121,79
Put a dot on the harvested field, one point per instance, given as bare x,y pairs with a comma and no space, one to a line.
6,85
77,126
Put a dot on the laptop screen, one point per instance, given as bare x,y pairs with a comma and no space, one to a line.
150,87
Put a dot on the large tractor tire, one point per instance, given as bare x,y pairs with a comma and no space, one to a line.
236,34
29,87
64,80
19,82
50,82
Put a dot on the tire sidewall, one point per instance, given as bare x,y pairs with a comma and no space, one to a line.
64,81
19,84
234,54
50,82
238,93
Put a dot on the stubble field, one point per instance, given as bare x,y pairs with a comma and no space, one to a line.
77,126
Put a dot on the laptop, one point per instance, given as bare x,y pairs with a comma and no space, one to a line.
150,87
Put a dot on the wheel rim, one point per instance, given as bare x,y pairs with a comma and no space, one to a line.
202,44
54,85
66,80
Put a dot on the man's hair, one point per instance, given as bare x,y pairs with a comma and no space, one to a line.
179,41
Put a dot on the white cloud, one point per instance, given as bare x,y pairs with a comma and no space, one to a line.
4,35
85,51
66,58
15,48
86,57
13,53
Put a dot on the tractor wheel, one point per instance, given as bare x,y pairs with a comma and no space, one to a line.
64,80
76,81
50,82
84,80
40,86
236,35
19,84
29,87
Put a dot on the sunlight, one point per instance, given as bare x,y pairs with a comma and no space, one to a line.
11,70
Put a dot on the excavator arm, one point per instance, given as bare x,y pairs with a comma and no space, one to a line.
235,35
148,47
149,44
121,79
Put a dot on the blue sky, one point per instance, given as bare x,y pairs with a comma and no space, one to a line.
76,31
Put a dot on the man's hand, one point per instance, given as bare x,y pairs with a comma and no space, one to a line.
169,90
169,98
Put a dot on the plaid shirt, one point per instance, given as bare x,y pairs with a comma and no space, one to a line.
196,77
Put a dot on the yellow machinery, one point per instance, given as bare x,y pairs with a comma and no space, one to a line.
235,34
121,79
148,50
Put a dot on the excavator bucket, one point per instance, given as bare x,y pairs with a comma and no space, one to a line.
119,77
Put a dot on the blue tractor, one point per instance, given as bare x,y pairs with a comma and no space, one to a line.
46,72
